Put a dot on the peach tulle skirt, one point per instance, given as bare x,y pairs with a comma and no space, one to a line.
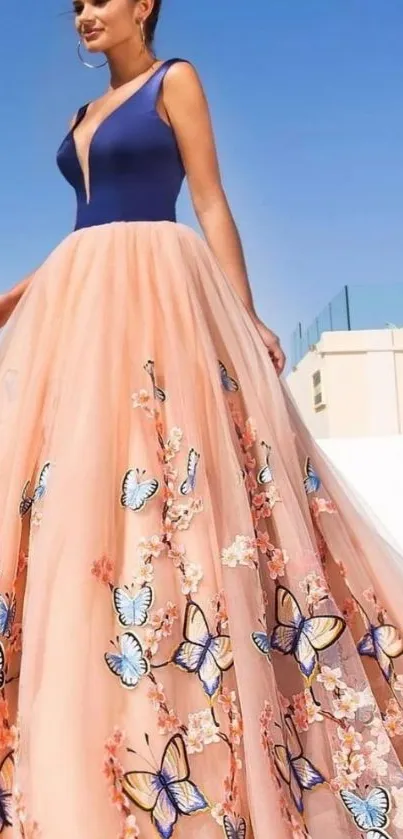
200,631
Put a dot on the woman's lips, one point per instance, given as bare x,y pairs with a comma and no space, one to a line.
90,36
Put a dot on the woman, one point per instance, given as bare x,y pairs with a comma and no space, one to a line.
199,631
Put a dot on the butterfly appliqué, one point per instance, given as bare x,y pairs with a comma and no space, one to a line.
189,484
265,475
6,787
135,492
296,770
8,608
129,663
27,501
300,636
159,393
168,793
312,482
262,643
203,653
229,384
383,643
132,610
235,828
370,814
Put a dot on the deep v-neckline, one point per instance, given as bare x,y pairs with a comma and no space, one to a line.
84,160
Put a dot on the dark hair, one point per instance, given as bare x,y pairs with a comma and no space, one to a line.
151,22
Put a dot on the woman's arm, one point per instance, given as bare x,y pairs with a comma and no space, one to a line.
187,109
188,113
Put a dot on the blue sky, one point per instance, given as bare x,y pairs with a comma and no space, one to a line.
307,103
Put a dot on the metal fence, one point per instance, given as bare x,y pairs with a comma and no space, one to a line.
355,307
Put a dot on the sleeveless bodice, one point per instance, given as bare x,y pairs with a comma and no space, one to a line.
135,168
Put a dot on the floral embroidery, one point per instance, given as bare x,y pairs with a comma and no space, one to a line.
359,732
219,607
241,552
321,505
9,734
315,589
130,828
161,626
142,400
201,731
28,828
397,793
103,569
22,562
168,721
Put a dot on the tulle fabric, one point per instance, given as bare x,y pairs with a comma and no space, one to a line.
131,351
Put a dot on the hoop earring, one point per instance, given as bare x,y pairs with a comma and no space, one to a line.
143,34
86,63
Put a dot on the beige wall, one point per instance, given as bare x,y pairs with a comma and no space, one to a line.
362,380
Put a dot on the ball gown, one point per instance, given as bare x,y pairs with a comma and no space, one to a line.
200,630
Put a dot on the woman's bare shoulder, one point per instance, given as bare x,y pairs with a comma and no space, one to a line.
182,78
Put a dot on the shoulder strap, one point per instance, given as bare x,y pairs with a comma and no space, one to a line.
157,79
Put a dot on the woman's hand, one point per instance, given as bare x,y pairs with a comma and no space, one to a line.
272,343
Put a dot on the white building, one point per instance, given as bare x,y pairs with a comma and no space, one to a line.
350,384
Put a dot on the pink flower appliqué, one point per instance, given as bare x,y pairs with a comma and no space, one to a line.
102,569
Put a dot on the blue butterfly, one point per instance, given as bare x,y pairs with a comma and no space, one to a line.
160,394
261,642
202,653
189,483
312,481
27,501
295,769
42,483
370,813
168,793
135,492
8,607
6,787
132,610
130,664
227,381
234,829
303,637
265,475
383,643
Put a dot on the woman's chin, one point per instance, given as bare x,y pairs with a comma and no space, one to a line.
95,45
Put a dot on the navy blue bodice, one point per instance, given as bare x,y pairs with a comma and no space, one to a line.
135,168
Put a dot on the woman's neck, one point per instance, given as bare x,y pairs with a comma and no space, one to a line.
125,64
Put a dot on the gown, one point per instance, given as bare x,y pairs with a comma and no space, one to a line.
200,629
